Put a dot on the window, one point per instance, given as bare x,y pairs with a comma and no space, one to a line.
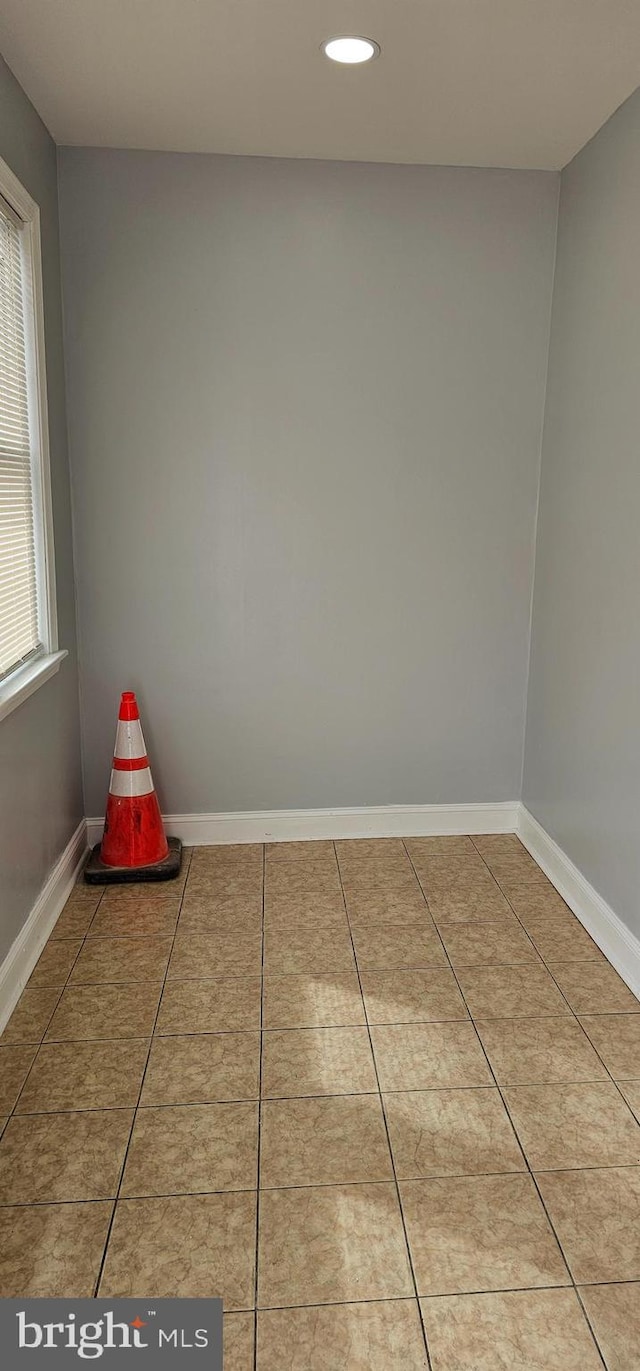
28,630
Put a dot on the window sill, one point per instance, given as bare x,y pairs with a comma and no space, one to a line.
25,682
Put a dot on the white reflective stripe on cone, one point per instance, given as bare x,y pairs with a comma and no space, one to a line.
129,739
131,783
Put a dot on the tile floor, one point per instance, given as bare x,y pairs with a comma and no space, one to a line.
385,1093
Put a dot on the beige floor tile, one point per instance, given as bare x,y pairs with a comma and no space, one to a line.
305,911
72,923
479,1233
52,1250
510,992
238,1335
320,1061
212,1006
292,951
320,850
521,1330
439,872
196,955
224,874
144,892
465,876
423,1056
380,906
614,1311
363,849
83,895
493,845
238,909
235,908
596,1215
352,1337
533,906
594,988
189,1149
203,1068
193,1246
14,1069
229,857
332,1244
197,919
559,940
574,1125
484,944
367,920
4,1119
539,1051
104,1011
514,863
617,1039
411,996
118,960
323,1141
453,846
368,877
76,917
314,1000
84,1075
451,1133
154,920
55,963
63,1156
367,880
631,1092
384,947
301,882
517,881
467,906
28,1023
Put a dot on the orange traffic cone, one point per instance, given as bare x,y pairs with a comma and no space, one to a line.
134,846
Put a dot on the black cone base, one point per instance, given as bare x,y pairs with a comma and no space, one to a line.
96,873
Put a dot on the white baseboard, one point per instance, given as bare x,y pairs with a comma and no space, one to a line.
377,821
24,952
612,936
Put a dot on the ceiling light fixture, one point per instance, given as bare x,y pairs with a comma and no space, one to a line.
350,51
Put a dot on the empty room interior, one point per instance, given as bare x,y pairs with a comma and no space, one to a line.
320,680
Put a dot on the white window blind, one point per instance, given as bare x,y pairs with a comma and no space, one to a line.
19,635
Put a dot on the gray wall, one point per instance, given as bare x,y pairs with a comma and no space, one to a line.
305,405
40,781
582,767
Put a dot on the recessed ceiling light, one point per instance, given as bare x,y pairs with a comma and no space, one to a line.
350,50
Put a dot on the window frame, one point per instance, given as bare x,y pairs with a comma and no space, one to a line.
28,676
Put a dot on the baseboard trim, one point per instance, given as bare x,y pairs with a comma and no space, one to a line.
24,952
612,936
378,821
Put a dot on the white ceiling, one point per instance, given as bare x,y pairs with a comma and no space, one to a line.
516,83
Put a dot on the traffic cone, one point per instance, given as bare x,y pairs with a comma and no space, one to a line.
134,846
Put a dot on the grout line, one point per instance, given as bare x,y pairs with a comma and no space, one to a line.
345,1095
386,1128
136,1107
